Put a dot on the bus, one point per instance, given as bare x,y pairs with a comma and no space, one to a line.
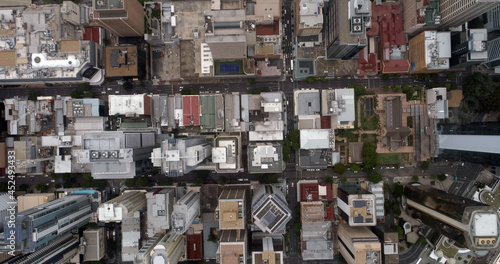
291,65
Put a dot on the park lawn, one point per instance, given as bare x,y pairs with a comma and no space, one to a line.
368,123
392,158
369,138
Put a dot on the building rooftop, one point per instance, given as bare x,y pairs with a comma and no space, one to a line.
270,253
191,110
160,206
311,14
269,209
437,103
317,139
121,61
307,102
359,244
265,157
316,241
136,104
93,246
227,153
312,212
232,209
41,44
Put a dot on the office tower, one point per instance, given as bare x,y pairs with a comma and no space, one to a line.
469,48
346,23
117,209
131,236
265,157
455,13
160,208
116,154
225,33
60,250
470,224
42,225
122,18
358,245
162,249
339,105
185,211
357,205
231,210
309,20
430,51
177,156
389,240
226,153
269,251
420,15
92,244
270,210
493,61
474,142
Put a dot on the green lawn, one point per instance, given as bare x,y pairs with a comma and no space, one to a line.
371,123
369,138
218,63
348,133
392,158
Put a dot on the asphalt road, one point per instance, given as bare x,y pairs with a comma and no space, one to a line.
414,252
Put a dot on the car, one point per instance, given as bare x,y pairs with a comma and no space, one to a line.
46,175
109,89
117,92
52,180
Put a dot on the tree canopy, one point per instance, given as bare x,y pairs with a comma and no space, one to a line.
369,156
339,168
375,177
481,93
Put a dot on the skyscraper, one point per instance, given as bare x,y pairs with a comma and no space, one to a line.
185,211
474,142
269,209
455,13
469,48
468,223
42,225
123,18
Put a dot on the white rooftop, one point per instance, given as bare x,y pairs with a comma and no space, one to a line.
438,50
485,224
128,104
476,143
316,138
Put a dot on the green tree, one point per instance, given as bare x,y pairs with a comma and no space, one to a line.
385,77
355,167
343,179
418,88
451,75
322,79
287,150
42,187
141,182
76,94
212,238
397,190
88,94
406,88
297,227
375,177
222,180
441,177
369,156
130,182
396,88
32,96
310,79
339,168
166,181
422,239
387,88
84,86
481,94
198,180
294,137
328,180
415,178
424,165
127,86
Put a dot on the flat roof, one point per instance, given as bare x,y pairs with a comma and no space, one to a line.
316,138
191,110
8,58
475,143
485,224
121,61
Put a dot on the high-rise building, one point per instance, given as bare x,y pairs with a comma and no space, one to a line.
232,247
117,209
131,236
357,205
358,245
420,15
455,13
493,61
185,211
42,225
92,244
177,156
265,157
116,154
231,210
226,153
160,208
123,18
469,48
270,210
346,23
61,250
162,249
469,223
430,51
309,21
269,252
474,142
